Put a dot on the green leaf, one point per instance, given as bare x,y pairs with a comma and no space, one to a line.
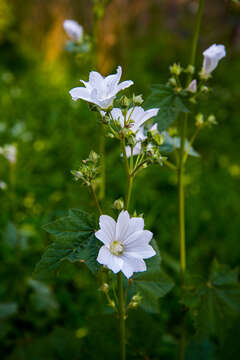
75,241
170,105
43,297
152,284
214,303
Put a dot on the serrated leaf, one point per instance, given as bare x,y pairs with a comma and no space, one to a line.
170,105
172,143
153,283
75,241
214,302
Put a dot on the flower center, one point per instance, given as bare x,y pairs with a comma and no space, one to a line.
116,248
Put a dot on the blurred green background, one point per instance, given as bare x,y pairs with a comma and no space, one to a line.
65,318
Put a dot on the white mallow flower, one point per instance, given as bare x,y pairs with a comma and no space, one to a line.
126,244
9,152
73,30
137,115
211,58
101,90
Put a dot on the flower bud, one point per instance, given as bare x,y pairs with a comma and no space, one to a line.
190,69
137,100
124,102
212,56
211,120
204,89
135,301
199,120
94,157
192,87
118,204
104,288
175,69
172,81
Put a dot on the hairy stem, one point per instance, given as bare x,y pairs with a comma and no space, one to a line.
95,199
122,330
102,154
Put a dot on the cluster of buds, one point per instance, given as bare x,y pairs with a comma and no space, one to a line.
89,169
202,122
135,301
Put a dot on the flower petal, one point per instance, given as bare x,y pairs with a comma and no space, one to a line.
142,252
103,236
95,79
146,115
117,115
132,265
80,93
137,237
113,262
122,225
108,226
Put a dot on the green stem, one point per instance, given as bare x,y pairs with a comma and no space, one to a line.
102,154
95,199
122,317
196,32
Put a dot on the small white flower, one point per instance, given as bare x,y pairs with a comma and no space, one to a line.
74,30
140,137
101,90
126,244
9,152
211,58
192,87
135,117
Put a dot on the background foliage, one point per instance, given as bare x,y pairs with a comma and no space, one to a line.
65,317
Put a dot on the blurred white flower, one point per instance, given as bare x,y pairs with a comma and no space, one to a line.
126,244
73,30
137,148
192,87
3,185
100,90
9,152
211,58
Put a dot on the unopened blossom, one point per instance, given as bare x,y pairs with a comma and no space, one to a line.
126,244
73,30
9,152
135,117
211,58
3,185
192,87
100,90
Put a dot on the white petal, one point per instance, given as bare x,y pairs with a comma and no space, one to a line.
132,265
108,225
135,224
113,262
95,79
141,252
111,81
117,115
105,103
80,93
145,116
103,236
122,225
139,236
123,85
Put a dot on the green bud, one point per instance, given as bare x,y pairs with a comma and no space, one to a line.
211,120
204,89
118,204
124,102
190,69
175,69
137,100
135,301
104,288
110,135
94,157
172,81
199,120
112,304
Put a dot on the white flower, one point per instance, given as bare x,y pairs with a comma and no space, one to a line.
211,58
73,29
101,90
137,148
126,244
9,152
135,117
192,87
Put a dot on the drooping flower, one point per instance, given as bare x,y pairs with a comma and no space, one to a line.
126,244
73,30
9,152
135,117
211,58
100,90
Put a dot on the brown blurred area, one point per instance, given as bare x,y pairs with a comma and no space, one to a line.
38,23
